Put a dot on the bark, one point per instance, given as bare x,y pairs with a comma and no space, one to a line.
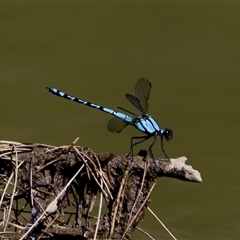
57,188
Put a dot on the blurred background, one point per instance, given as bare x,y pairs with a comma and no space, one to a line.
97,51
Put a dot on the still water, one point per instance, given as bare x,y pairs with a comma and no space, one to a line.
97,51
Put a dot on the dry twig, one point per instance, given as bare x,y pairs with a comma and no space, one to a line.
47,180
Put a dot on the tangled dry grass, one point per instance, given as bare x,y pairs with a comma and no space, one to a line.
50,192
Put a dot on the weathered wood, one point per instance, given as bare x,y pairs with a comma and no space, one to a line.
47,186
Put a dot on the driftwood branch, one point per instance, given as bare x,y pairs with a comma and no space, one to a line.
49,192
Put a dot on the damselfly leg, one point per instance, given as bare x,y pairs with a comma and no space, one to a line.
144,138
162,148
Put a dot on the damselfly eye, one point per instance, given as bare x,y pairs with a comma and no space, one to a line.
168,134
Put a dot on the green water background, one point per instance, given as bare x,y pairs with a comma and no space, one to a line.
97,51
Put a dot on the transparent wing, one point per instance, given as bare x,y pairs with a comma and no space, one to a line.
142,91
132,99
127,111
116,125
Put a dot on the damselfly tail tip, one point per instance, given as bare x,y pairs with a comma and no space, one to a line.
48,88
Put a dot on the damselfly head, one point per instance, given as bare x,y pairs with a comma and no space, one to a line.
168,134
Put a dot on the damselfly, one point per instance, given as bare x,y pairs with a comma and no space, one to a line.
144,123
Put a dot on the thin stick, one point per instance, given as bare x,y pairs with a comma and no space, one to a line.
99,214
141,230
6,187
82,154
161,223
52,206
140,208
139,192
118,200
13,191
